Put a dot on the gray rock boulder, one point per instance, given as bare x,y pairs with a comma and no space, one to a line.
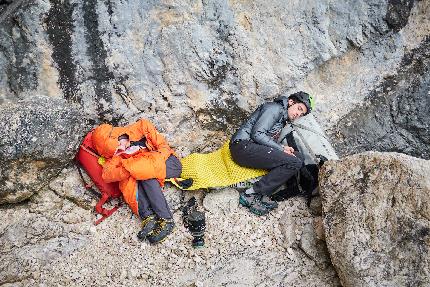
376,209
69,185
38,138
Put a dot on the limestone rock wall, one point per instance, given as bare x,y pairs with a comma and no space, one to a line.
197,69
183,64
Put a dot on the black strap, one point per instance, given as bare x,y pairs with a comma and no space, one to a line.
87,186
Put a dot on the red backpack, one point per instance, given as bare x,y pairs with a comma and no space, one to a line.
88,159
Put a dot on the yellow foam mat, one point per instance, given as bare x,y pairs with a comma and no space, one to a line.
216,169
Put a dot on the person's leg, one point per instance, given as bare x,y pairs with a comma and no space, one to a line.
151,197
173,167
145,212
277,176
281,166
163,224
159,203
156,199
143,203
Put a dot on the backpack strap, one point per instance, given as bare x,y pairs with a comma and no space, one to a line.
103,198
88,186
91,152
103,211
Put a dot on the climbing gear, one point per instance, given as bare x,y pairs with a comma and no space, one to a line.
312,101
259,208
89,160
268,203
246,199
195,221
148,225
304,98
309,139
215,169
164,226
253,203
101,161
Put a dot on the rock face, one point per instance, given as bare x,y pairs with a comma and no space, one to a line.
376,209
396,115
196,69
38,138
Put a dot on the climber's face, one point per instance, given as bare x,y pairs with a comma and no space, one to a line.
123,144
296,110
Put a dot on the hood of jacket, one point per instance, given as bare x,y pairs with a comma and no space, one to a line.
283,100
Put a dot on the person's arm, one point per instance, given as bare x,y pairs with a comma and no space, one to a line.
157,139
113,170
269,115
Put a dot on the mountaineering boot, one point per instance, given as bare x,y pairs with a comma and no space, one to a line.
247,199
253,202
259,208
163,228
148,225
270,204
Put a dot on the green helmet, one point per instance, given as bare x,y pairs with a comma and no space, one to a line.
304,98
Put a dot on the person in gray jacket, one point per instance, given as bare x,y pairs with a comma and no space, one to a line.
255,145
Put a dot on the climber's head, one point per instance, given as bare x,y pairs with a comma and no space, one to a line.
299,104
123,142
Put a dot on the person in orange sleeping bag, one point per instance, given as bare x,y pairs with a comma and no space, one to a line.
139,157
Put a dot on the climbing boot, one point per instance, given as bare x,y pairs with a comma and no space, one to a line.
247,199
163,228
253,202
148,225
259,208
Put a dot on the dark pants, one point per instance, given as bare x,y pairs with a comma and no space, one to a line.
150,197
281,166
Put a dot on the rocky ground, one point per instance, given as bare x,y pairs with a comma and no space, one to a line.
64,248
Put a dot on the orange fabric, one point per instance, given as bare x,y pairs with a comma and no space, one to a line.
149,163
114,171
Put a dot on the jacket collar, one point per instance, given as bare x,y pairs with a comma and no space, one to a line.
283,100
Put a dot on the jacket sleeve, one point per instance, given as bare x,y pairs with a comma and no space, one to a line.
158,141
113,170
270,113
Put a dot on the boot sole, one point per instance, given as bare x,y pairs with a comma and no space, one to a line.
253,210
145,232
271,207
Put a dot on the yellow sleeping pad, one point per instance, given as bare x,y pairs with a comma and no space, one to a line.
216,169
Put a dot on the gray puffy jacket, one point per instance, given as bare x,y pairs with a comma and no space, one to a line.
265,124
